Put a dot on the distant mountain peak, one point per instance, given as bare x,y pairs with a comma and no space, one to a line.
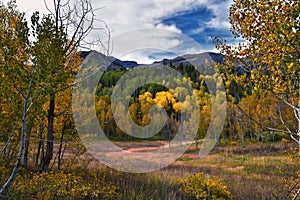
115,64
193,59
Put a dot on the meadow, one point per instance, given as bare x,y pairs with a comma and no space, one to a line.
252,171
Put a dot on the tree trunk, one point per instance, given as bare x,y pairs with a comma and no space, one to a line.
60,146
39,147
243,136
18,163
26,152
50,135
299,120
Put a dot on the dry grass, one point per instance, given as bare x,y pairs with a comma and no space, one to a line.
255,171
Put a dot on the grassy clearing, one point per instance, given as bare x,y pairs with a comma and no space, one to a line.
255,171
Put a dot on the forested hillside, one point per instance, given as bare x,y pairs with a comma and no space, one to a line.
251,116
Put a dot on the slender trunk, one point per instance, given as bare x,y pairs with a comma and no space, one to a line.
243,136
298,111
43,153
18,163
39,147
26,152
60,147
107,126
50,136
169,129
299,125
8,141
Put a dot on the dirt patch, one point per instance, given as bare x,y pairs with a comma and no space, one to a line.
256,149
238,168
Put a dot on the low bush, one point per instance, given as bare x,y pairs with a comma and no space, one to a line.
58,185
196,186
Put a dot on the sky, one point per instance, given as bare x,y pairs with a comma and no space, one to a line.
149,30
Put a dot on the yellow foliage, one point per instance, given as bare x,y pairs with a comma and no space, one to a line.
177,107
62,186
271,31
196,186
165,99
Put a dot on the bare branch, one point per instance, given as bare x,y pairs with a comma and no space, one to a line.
282,121
297,194
295,111
262,126
9,139
18,90
286,102
47,7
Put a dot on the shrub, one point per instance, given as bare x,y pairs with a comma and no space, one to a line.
61,186
293,183
196,186
284,140
234,143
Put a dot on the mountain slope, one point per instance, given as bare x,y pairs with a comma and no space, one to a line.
194,59
115,64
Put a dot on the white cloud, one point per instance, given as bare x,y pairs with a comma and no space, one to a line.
218,23
127,15
140,44
221,13
140,56
172,27
123,16
198,30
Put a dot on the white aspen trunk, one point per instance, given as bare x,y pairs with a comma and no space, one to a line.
298,112
17,165
298,131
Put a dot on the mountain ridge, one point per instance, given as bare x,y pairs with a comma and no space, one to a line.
184,59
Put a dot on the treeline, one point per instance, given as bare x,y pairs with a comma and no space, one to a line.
251,117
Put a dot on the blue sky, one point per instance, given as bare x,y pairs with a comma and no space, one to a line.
194,23
138,23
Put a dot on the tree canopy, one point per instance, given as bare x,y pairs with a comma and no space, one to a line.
268,59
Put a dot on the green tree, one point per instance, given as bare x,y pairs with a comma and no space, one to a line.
59,35
37,71
268,60
14,56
